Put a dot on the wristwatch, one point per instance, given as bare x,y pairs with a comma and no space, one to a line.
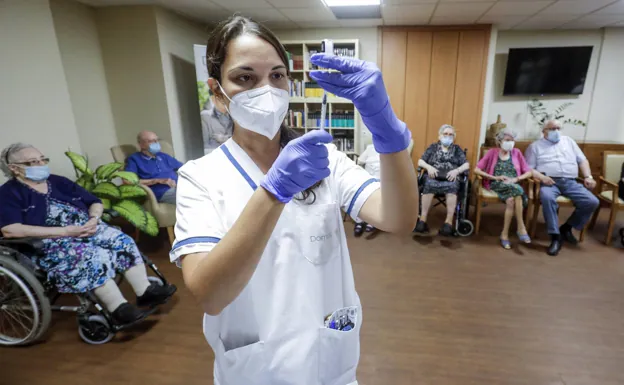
589,177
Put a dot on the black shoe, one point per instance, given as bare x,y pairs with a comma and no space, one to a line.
421,227
155,295
567,235
446,230
126,313
555,245
358,230
370,228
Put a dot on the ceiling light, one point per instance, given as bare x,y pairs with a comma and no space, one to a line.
350,3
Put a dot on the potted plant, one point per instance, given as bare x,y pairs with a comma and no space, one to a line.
540,115
123,200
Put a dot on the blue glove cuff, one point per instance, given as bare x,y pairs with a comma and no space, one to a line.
390,134
265,184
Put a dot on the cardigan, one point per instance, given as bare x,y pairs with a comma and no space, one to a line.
488,163
21,204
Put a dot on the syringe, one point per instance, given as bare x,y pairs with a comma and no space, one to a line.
327,47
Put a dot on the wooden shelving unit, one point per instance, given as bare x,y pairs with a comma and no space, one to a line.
343,120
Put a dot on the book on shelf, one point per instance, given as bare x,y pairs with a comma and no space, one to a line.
348,52
314,119
295,119
295,62
344,142
343,119
295,88
313,90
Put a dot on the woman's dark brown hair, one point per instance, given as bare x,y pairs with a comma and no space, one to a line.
216,51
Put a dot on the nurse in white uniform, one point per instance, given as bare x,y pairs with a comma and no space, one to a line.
259,234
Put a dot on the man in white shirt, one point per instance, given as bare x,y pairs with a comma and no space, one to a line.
555,160
369,159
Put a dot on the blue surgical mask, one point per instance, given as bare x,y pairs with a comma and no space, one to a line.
37,173
154,148
446,141
553,136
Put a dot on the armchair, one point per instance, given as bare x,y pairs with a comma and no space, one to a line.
608,190
163,212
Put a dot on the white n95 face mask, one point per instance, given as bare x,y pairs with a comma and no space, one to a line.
260,110
508,146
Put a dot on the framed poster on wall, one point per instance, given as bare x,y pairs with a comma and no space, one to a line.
216,122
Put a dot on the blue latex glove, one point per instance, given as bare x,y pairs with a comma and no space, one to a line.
362,83
301,163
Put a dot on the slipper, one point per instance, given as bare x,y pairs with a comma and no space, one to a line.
524,238
506,244
369,228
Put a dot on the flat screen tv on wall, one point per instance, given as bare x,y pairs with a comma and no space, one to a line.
547,71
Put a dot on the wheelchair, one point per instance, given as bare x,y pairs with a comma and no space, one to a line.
462,226
27,299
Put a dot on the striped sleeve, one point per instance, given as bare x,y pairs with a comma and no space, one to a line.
355,185
199,225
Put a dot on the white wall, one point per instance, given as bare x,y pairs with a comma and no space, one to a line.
81,56
176,37
514,110
35,105
368,51
134,72
606,119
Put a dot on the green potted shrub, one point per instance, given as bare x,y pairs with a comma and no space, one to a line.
123,200
540,115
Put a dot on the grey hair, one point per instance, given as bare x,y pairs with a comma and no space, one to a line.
444,127
505,131
553,122
8,156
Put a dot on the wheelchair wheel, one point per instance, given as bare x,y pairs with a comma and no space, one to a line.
24,308
465,228
95,330
155,280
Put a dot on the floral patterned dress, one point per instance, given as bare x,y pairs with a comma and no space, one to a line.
448,160
77,265
507,190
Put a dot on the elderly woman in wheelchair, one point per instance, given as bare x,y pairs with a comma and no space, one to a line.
443,162
503,169
80,253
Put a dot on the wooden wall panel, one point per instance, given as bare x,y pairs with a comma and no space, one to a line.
393,59
469,89
442,81
418,69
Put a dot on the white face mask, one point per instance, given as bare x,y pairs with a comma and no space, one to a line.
508,146
260,110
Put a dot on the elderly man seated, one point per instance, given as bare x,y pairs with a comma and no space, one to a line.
155,169
555,160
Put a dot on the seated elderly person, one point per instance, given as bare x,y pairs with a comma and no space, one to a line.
155,169
80,252
444,161
502,169
555,160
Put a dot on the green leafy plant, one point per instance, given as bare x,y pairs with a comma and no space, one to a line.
203,94
123,200
540,114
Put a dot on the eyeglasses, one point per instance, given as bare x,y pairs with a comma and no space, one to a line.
34,162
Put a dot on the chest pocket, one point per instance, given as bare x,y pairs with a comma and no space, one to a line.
319,232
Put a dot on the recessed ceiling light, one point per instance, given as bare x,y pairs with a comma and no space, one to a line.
347,3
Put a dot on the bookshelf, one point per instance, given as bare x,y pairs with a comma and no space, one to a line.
343,120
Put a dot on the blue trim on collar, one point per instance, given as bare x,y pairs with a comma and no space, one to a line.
240,168
358,192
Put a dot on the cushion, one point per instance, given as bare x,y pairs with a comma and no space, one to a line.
608,195
488,193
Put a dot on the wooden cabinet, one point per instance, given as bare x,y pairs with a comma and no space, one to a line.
435,76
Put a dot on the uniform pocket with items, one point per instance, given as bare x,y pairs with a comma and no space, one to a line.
339,348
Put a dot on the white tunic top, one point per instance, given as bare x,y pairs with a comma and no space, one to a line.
273,332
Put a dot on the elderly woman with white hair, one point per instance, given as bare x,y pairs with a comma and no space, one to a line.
502,169
444,162
80,252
